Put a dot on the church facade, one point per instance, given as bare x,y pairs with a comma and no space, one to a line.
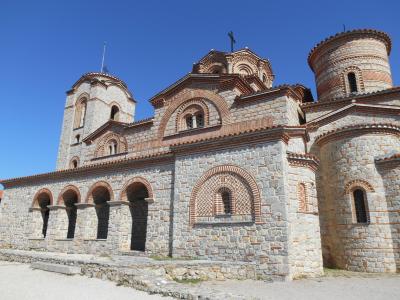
230,167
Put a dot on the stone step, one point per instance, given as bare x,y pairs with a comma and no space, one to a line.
133,253
62,269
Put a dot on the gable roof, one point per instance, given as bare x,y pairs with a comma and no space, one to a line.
241,81
353,107
351,98
111,123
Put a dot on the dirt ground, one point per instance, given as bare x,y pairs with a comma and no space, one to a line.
335,285
20,282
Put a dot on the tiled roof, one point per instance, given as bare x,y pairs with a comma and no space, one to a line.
87,167
1,194
354,32
340,100
351,128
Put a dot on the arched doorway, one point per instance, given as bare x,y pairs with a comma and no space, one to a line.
100,197
137,194
70,197
43,200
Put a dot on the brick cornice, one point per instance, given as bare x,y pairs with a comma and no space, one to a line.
151,159
303,160
357,130
250,136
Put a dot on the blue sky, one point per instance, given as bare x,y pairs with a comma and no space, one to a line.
47,45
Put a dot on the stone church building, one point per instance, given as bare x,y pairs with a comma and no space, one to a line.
230,167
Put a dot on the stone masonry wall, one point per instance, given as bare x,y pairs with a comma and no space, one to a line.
305,254
390,172
346,244
16,220
266,242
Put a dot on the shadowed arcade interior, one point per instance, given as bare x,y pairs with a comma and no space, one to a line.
43,201
137,194
70,198
100,197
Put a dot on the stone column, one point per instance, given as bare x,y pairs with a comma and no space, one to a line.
36,239
56,229
86,225
35,229
119,226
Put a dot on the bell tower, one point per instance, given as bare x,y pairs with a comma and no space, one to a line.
92,101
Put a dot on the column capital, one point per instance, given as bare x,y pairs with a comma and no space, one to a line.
83,205
117,202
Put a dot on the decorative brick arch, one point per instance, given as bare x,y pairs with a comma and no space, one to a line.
89,196
182,109
244,176
219,102
124,196
82,96
360,81
121,144
60,200
244,62
357,183
35,202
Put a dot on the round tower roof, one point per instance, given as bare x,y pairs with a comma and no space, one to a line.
359,33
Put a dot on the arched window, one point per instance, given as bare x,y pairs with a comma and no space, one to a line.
74,164
112,147
199,120
80,113
189,121
360,206
114,113
264,78
351,77
223,202
226,200
195,120
77,138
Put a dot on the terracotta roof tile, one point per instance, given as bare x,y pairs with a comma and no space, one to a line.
354,32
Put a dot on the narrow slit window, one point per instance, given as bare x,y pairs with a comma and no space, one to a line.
114,113
352,82
360,206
